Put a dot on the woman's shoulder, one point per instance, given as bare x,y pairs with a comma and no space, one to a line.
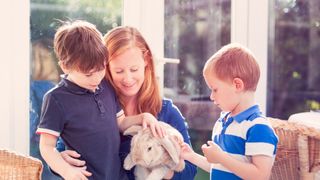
166,102
168,108
167,105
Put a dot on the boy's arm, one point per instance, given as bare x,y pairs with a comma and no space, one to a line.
187,153
54,160
200,161
260,168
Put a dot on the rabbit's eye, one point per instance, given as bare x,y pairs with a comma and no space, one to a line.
149,148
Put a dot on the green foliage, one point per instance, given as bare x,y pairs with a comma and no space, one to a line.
313,105
45,15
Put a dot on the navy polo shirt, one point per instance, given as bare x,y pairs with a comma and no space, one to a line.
87,122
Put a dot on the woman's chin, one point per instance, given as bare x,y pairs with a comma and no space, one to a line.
129,93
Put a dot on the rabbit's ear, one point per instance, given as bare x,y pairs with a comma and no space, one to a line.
132,130
128,163
171,146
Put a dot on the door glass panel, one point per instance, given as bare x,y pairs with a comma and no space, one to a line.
194,30
294,51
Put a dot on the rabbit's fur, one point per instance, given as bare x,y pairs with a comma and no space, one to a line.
152,156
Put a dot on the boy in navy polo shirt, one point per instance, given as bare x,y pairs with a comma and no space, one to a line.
83,108
243,142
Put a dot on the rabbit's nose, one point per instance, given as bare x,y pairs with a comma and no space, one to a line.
148,162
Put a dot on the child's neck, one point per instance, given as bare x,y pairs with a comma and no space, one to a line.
71,80
246,101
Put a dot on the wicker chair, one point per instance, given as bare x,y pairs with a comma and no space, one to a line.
298,151
15,166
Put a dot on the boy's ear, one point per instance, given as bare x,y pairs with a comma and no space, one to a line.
238,83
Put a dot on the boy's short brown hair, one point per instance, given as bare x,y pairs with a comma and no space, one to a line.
79,46
234,61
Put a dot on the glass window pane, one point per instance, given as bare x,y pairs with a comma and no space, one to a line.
45,16
194,30
294,51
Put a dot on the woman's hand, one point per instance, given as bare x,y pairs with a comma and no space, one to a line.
153,123
71,157
76,173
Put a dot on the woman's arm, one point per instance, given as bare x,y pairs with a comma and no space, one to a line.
171,115
55,161
71,157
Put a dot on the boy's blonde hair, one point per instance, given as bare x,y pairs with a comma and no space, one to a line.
79,46
234,61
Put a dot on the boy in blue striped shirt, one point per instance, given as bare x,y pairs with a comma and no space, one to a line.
243,142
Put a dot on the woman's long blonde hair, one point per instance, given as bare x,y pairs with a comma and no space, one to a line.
117,41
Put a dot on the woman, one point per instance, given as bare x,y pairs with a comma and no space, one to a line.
130,69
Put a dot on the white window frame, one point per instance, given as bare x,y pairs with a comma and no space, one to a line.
14,74
147,16
249,26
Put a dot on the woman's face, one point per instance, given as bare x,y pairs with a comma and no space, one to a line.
127,71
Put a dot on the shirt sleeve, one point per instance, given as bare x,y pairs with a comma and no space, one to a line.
261,140
51,120
120,111
173,116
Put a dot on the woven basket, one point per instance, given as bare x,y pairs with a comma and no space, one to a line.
15,166
298,151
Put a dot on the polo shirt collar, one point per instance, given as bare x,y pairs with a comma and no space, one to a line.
71,86
245,115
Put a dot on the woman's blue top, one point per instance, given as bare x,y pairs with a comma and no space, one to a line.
170,114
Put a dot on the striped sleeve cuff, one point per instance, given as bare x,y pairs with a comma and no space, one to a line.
120,113
259,149
47,131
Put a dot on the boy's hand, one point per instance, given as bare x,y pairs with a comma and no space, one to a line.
186,151
153,123
212,152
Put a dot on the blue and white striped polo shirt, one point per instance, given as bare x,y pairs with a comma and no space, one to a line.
242,136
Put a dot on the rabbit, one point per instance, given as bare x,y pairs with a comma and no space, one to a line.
152,156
